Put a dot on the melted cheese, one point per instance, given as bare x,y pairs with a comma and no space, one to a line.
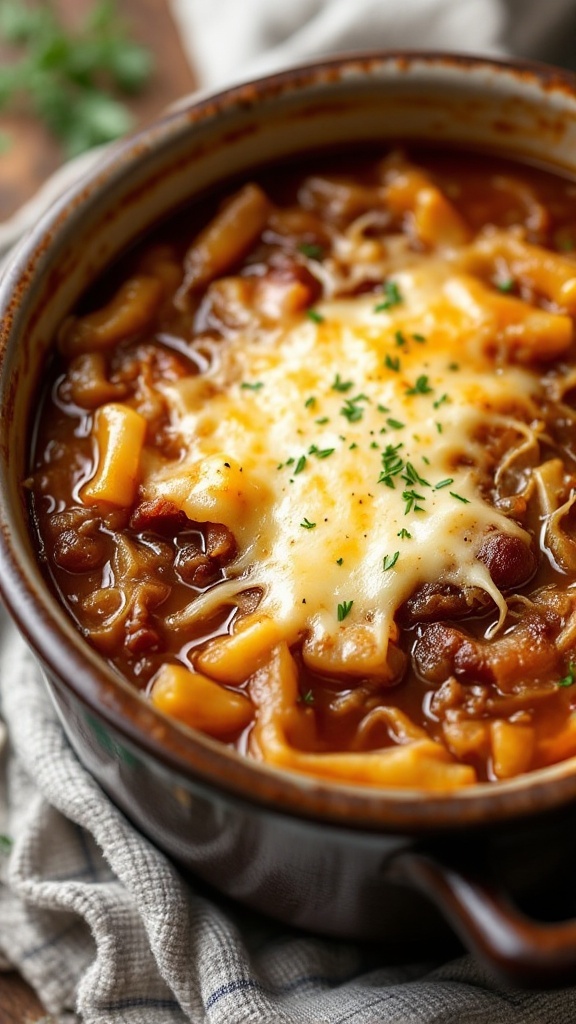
291,439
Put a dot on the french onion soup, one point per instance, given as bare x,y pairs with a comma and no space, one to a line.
305,468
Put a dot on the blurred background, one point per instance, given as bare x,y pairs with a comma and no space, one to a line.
76,73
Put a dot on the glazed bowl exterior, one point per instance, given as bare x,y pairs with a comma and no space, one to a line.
326,857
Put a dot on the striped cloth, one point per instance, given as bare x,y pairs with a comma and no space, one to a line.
97,920
107,931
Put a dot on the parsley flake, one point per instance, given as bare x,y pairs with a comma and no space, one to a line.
310,402
395,424
507,285
392,363
339,561
411,497
313,252
393,297
306,698
247,386
459,497
300,465
400,338
444,483
421,386
315,316
420,338
404,535
344,609
569,678
307,524
341,385
389,561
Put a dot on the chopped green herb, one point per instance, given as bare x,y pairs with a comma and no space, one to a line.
508,285
389,561
339,561
307,698
395,424
252,387
411,498
419,337
392,363
426,460
393,297
307,524
314,315
300,465
399,337
310,402
411,475
72,80
322,420
344,609
453,366
459,497
439,428
323,453
404,535
444,483
440,401
352,446
313,252
341,385
570,676
421,387
383,408
351,410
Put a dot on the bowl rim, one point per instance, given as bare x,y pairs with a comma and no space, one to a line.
65,655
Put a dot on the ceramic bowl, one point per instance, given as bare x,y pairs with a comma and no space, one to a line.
342,860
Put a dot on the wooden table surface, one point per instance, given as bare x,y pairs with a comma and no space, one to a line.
31,158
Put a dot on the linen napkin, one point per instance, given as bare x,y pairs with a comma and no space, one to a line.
101,923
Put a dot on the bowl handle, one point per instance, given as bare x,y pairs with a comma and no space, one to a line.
520,950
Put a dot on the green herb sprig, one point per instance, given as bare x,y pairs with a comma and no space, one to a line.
71,80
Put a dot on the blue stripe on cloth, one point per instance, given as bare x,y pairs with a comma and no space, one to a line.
230,987
297,983
138,1001
52,941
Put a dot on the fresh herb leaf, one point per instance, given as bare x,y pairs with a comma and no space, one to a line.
314,315
404,535
400,338
341,385
419,338
459,497
72,80
393,297
344,609
392,363
421,386
339,561
570,677
411,498
310,402
313,252
444,483
307,698
300,465
389,561
508,285
395,424
307,524
247,386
